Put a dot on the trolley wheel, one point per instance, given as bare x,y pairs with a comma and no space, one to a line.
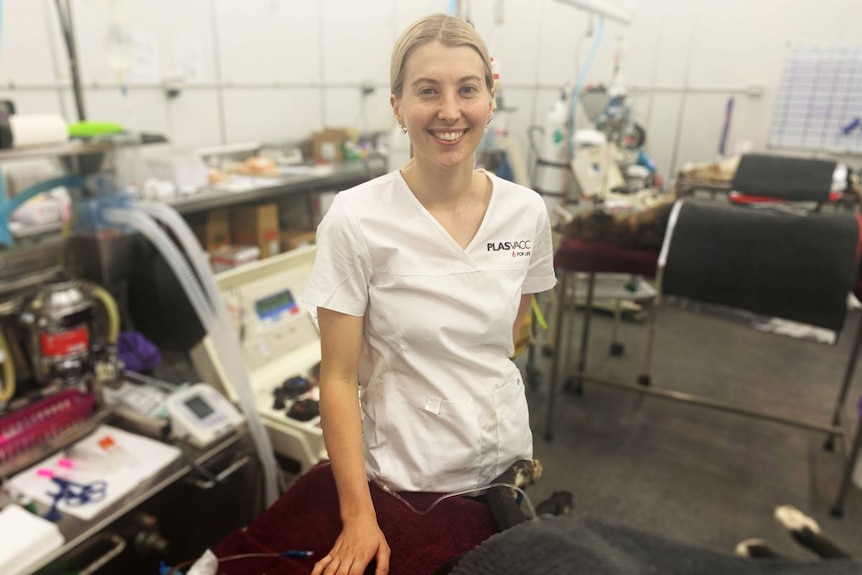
836,512
644,380
617,349
534,376
829,444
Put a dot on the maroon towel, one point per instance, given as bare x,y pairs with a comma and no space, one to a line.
307,517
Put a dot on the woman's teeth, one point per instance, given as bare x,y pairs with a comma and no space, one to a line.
449,136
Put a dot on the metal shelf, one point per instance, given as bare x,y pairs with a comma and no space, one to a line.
341,175
81,147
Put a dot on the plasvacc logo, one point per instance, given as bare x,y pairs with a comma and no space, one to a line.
519,248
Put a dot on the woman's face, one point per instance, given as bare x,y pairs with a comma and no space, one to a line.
444,103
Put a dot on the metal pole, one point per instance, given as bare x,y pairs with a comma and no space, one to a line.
65,14
585,332
848,376
715,404
558,349
838,507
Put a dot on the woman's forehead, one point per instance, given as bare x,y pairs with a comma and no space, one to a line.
435,59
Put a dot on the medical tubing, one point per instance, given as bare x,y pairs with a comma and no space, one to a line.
8,206
271,555
228,350
110,306
7,386
201,266
236,370
189,243
579,84
397,496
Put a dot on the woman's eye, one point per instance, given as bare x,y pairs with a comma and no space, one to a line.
426,91
469,89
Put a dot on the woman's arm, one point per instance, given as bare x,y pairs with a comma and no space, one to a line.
361,539
523,310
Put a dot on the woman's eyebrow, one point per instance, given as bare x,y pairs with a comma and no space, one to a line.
424,80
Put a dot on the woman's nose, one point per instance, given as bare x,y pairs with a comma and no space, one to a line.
449,107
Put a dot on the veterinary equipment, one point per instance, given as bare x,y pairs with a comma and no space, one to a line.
279,341
200,415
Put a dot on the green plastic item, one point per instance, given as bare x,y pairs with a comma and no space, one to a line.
90,129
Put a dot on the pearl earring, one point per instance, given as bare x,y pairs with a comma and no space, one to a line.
404,129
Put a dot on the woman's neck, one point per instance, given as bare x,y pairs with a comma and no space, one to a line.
441,188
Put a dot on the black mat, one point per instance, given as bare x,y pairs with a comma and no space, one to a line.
792,179
799,268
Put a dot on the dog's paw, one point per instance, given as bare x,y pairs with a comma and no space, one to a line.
559,503
793,519
755,549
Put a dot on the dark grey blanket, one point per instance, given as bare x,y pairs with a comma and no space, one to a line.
794,267
792,179
588,545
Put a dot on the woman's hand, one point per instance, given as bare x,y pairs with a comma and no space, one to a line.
360,541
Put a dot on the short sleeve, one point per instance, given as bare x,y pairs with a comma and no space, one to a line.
540,274
339,279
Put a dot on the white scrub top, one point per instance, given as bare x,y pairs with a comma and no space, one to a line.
444,407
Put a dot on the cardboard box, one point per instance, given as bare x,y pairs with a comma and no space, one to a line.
328,144
257,226
228,257
215,233
296,237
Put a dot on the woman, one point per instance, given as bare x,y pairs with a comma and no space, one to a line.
422,279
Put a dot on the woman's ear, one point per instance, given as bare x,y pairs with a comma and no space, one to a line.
396,109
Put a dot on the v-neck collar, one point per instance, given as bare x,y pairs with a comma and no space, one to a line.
448,237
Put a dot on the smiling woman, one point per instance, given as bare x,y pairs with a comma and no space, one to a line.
421,280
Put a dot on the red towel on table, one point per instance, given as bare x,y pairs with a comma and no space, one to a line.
307,517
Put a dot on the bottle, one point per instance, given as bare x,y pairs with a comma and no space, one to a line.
553,162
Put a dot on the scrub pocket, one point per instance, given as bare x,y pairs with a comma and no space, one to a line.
514,438
432,439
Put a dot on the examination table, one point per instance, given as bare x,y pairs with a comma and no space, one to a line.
306,517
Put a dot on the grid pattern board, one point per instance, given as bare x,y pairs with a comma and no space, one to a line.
819,105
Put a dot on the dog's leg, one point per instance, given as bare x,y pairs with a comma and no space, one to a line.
806,532
503,501
756,549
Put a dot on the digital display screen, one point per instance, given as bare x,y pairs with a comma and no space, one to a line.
274,306
199,407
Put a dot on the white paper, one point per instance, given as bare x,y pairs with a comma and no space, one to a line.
26,539
133,459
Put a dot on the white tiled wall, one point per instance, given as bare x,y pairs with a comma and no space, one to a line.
280,69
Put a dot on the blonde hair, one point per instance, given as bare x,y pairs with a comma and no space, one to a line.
447,30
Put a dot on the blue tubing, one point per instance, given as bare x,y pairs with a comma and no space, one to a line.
7,206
